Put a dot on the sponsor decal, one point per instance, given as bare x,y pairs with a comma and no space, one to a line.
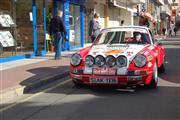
117,47
94,53
146,53
149,58
114,52
129,53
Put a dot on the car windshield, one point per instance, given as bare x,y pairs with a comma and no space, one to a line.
125,36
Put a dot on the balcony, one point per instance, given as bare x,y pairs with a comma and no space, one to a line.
128,3
137,1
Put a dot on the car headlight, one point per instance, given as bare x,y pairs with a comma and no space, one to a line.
111,61
140,60
100,60
121,61
89,61
75,59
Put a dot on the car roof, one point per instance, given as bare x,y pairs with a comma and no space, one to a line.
121,27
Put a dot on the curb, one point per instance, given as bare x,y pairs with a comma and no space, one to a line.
19,90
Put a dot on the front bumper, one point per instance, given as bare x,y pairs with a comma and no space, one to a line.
122,80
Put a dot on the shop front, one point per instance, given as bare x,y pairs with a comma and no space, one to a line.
24,26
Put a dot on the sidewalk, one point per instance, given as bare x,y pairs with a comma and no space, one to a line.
22,76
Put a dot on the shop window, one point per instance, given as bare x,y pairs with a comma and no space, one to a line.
16,27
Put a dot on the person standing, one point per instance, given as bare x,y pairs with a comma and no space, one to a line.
94,27
171,30
122,22
164,31
58,30
175,30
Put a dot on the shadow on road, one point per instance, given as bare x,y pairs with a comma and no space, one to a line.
100,104
42,73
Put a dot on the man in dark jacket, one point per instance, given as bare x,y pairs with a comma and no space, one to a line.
58,30
94,27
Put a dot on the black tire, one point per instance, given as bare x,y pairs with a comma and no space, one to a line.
154,80
161,69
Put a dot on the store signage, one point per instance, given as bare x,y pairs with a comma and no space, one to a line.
143,8
6,39
31,16
6,20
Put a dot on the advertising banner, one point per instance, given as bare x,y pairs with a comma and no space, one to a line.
6,39
6,20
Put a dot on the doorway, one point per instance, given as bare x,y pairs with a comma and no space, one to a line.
74,20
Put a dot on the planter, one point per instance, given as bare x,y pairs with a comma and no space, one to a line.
51,48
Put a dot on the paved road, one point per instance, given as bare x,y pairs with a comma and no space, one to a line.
66,102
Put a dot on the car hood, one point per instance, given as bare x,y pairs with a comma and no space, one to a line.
128,50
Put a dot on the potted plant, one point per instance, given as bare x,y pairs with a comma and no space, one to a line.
49,39
50,43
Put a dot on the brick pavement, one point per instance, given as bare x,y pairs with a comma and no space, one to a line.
27,74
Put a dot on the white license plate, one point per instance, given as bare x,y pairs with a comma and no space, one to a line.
104,80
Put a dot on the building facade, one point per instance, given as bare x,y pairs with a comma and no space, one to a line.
24,26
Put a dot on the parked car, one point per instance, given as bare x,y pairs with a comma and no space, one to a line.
120,56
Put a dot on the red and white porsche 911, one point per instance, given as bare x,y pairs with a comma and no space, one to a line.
120,56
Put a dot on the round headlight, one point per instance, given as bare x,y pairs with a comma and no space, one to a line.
111,61
75,59
121,61
100,60
140,60
89,61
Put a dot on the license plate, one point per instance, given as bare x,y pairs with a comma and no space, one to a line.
104,80
104,71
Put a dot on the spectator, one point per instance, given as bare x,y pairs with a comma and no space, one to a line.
94,27
175,30
122,22
164,31
58,30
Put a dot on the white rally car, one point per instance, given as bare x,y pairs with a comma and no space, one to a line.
120,56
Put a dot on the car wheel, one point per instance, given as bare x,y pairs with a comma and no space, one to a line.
154,81
161,69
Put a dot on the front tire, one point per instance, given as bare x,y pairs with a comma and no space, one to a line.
154,80
161,69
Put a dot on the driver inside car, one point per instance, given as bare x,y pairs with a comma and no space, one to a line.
138,38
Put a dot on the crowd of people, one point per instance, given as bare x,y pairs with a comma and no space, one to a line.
172,31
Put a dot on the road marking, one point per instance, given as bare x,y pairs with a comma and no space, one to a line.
126,90
34,95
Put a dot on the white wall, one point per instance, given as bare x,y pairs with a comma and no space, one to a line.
114,17
127,16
